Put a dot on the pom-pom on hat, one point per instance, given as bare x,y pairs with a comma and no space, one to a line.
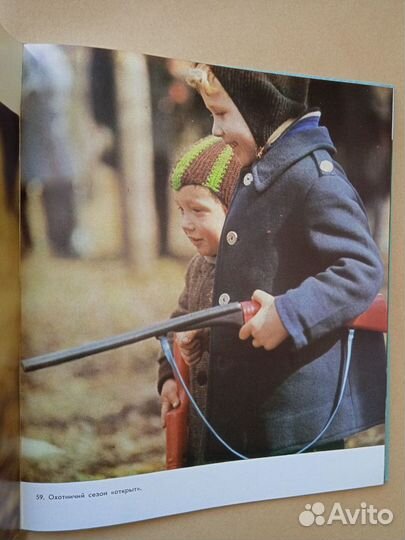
210,163
264,100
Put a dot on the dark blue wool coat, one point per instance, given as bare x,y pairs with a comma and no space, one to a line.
301,235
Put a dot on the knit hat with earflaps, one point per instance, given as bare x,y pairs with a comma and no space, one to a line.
264,100
210,163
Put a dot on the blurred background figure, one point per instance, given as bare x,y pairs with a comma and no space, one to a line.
47,154
163,131
103,99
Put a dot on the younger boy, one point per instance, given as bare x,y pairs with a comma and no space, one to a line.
203,180
296,240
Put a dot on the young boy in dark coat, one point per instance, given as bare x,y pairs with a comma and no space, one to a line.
297,241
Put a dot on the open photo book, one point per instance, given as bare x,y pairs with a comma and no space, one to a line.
139,394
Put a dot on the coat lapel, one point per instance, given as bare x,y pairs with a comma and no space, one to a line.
286,151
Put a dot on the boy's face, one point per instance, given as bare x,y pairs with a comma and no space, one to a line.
230,124
202,219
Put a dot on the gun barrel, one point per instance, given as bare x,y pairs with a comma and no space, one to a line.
228,314
236,313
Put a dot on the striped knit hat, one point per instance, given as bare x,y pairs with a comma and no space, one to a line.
265,100
210,163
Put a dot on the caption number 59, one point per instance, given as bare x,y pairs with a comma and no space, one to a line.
39,497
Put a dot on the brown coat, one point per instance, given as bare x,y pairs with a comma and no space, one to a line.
196,295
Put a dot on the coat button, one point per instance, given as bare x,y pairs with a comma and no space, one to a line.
326,166
224,299
232,238
248,179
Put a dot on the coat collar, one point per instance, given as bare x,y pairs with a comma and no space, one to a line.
290,148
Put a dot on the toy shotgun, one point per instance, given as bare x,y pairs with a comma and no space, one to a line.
235,313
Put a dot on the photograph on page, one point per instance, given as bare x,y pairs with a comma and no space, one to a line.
240,217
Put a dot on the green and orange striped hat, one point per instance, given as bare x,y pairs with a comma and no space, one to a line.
210,163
